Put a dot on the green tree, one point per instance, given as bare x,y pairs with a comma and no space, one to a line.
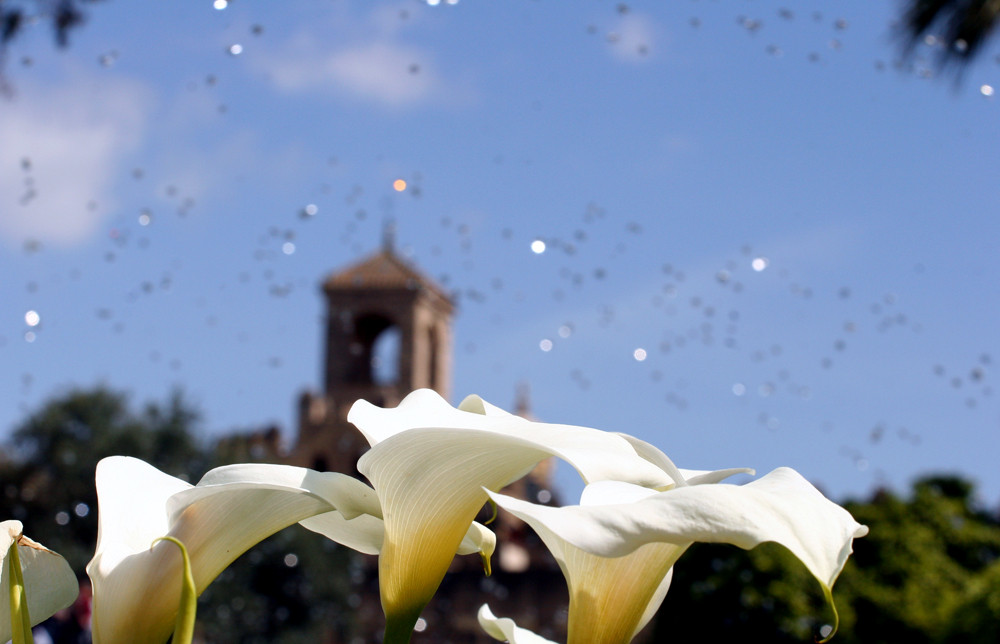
928,572
720,593
915,568
291,587
48,476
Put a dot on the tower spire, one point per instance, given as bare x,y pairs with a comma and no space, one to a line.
522,401
389,235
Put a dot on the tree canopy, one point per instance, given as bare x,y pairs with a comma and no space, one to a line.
49,473
926,572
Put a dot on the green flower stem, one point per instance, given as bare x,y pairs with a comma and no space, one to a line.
20,621
184,626
399,627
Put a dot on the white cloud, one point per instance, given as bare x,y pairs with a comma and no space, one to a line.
632,39
63,147
360,57
384,72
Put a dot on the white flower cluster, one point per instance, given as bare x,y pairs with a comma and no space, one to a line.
431,468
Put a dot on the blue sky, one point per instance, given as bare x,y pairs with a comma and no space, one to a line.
154,176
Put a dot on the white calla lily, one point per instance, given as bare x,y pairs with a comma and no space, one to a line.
429,463
137,585
618,547
49,582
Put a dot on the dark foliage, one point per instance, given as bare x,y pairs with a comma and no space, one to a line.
49,477
927,572
63,15
963,26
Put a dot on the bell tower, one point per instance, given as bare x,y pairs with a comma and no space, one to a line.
387,332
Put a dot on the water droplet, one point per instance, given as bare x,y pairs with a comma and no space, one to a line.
759,263
639,354
31,318
235,49
986,90
538,247
219,5
545,345
291,560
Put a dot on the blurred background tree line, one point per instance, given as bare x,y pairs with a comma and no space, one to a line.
928,572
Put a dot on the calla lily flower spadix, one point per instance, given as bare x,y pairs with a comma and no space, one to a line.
618,547
37,581
429,465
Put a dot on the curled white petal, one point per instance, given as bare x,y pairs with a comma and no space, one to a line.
49,582
596,455
505,630
363,533
478,538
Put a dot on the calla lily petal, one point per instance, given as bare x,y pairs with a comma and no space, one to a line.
429,464
231,509
479,539
681,477
702,477
599,546
596,455
505,630
654,455
366,533
49,582
363,533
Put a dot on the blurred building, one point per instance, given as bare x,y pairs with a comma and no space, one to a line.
389,331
